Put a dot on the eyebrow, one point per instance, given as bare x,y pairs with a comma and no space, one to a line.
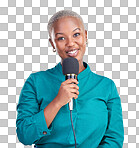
72,31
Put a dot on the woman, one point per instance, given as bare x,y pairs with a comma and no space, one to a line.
43,116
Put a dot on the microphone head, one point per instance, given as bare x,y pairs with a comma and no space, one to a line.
70,65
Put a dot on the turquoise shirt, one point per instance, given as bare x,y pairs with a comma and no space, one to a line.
97,113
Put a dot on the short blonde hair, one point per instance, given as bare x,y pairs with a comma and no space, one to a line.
60,14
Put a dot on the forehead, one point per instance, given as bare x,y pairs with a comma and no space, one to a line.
67,23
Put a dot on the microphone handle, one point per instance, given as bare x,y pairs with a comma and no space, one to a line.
71,104
69,76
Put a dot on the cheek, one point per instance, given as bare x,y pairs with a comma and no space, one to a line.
60,45
81,41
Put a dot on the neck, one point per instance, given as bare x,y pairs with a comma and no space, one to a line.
81,66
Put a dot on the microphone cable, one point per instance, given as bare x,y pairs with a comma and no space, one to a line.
73,127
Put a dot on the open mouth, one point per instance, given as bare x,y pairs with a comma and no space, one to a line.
73,53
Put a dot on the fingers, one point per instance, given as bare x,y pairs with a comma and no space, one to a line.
75,96
69,81
74,86
74,91
70,85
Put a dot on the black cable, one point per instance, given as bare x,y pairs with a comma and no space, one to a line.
73,127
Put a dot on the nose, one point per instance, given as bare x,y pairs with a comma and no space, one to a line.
70,42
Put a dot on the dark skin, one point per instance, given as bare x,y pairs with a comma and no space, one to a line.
69,33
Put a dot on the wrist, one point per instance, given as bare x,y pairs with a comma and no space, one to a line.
57,103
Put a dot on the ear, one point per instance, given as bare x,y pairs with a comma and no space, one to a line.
86,35
51,42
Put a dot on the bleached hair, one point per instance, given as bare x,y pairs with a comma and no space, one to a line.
60,14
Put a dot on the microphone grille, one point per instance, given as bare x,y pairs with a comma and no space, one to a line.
70,65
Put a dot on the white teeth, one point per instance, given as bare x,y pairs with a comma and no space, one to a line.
72,51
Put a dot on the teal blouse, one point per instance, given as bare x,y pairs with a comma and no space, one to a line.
97,114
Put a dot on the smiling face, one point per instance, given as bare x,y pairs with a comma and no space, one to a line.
69,38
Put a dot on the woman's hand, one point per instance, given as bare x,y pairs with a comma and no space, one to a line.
67,91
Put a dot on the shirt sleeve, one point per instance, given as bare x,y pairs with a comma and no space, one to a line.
30,122
114,135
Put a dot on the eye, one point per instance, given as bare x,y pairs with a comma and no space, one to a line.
61,38
76,34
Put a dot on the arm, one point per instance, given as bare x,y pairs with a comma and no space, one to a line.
51,111
31,121
114,135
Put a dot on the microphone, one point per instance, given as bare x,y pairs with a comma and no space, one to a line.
70,68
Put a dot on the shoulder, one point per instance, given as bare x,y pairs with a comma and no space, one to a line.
102,78
106,85
103,82
42,74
